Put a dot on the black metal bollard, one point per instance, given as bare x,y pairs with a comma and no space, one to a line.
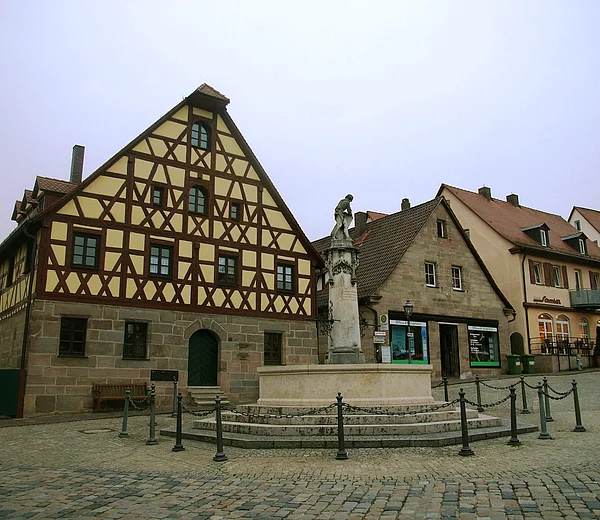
466,450
341,453
219,456
178,445
578,426
445,379
514,441
152,440
175,404
479,407
547,400
543,430
524,396
123,432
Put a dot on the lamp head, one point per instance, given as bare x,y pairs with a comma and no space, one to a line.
408,308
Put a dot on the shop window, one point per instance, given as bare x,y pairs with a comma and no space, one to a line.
430,274
86,251
161,262
273,348
484,348
285,278
562,330
456,278
72,337
401,337
584,329
200,136
227,270
546,330
134,343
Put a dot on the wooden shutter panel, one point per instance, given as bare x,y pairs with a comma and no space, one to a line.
531,271
548,281
592,284
565,277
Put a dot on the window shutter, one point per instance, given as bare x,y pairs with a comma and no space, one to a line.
565,278
592,284
531,271
548,278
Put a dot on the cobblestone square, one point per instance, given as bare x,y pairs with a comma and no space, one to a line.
82,469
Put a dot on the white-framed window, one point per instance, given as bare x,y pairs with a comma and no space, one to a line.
441,229
584,329
468,233
578,225
562,328
577,279
556,271
456,278
595,280
544,237
430,274
537,273
545,327
582,246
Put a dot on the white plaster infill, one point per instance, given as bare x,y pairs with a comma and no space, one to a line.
360,384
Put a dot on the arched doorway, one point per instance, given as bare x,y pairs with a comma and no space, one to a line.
516,343
203,357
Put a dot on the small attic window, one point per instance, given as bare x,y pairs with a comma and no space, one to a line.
582,249
577,241
539,233
200,136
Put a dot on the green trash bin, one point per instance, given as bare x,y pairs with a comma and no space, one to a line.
528,363
514,364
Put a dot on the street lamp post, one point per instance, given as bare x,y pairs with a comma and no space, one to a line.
408,308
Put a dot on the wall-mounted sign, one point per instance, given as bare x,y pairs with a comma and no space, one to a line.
386,354
379,337
545,299
383,322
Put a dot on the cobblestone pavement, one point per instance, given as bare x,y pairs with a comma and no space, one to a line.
82,469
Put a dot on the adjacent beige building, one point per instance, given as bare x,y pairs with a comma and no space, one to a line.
547,268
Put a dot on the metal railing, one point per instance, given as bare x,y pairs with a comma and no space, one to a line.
562,346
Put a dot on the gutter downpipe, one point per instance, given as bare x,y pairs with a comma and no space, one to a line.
525,297
378,356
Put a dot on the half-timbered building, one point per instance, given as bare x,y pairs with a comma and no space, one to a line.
178,253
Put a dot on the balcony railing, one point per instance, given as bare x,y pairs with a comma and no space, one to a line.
562,346
588,298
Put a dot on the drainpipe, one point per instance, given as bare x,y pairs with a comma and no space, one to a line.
366,304
526,308
29,293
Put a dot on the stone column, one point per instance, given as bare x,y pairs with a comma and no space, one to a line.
344,339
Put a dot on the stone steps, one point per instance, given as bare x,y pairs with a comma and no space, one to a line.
204,396
447,438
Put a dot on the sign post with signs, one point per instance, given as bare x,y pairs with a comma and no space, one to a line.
379,337
384,322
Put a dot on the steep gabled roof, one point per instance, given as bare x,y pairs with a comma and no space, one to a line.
591,215
384,242
509,221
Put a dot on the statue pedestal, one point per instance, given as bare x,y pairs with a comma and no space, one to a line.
344,338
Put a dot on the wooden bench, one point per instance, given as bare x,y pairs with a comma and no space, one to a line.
116,392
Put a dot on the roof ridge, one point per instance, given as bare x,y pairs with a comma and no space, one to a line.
205,88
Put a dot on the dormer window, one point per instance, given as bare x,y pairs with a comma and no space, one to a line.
539,233
577,241
582,246
200,136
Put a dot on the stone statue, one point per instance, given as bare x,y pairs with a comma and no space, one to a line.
343,217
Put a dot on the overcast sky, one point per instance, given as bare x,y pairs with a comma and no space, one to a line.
383,100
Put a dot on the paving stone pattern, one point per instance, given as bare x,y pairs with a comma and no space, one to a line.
77,469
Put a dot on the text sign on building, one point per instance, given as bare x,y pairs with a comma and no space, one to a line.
379,337
386,354
164,375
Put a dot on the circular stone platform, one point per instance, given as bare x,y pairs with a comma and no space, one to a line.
364,384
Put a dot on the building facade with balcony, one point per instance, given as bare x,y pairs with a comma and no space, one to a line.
548,269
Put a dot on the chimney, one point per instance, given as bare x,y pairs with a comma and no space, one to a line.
77,164
360,223
486,192
405,204
513,198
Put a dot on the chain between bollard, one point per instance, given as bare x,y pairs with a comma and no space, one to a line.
547,400
478,391
525,410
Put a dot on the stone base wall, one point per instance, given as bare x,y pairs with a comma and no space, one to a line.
11,340
58,384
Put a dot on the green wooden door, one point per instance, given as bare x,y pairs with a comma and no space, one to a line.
203,357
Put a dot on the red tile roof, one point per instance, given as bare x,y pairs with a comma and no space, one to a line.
508,221
55,185
591,215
